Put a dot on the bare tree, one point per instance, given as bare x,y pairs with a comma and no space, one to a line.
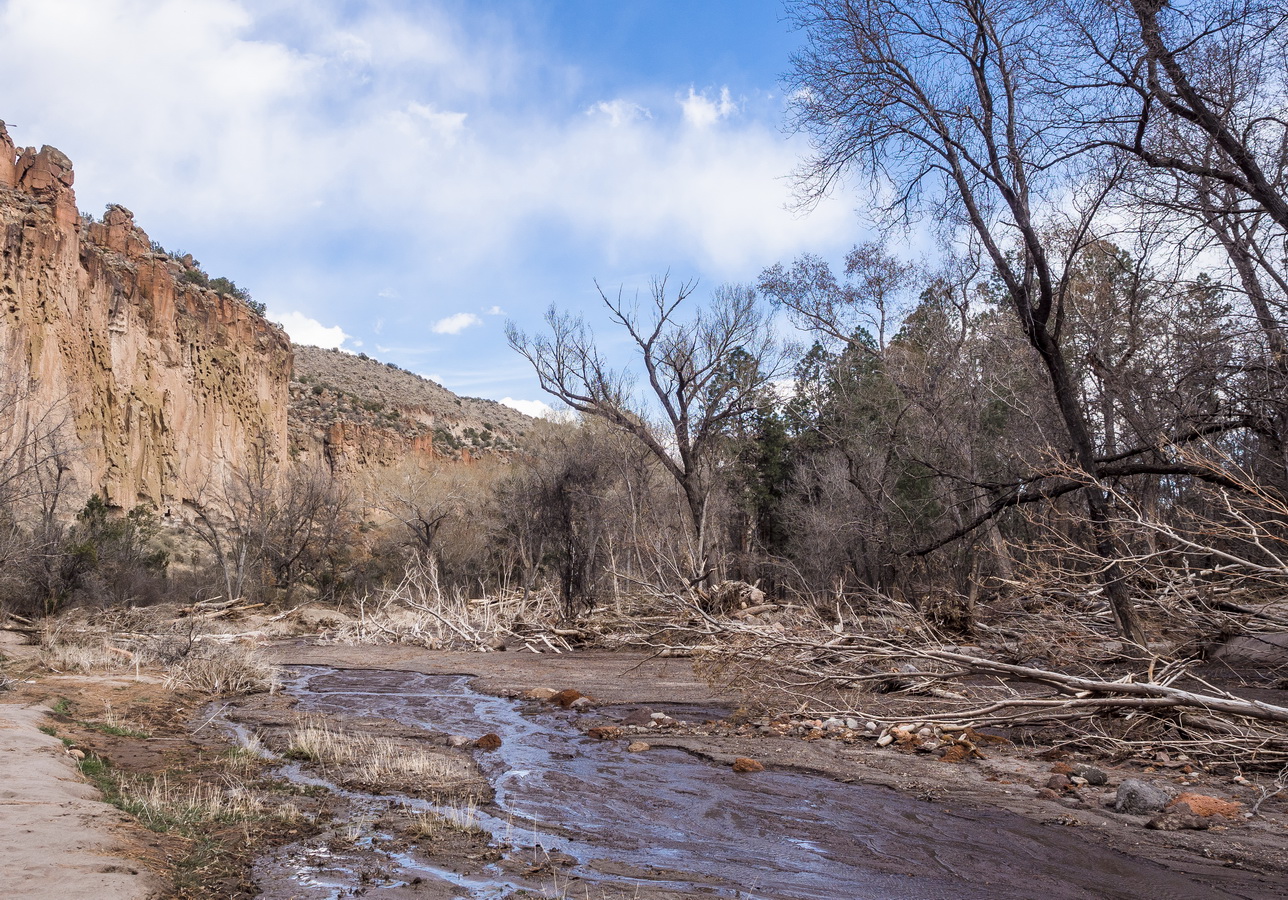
700,373
946,105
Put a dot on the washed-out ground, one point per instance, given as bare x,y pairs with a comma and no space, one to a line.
44,803
1245,856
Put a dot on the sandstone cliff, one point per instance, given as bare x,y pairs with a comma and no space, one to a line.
166,385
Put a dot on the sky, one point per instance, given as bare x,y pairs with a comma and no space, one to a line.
402,178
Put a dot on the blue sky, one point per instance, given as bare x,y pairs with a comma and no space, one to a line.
400,178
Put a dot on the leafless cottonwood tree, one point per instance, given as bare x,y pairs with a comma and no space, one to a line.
1193,93
701,369
945,107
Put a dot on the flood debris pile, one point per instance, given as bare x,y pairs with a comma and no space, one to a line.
912,685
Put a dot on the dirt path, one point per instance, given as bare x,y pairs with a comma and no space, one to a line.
57,838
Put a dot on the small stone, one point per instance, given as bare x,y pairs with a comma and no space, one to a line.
538,694
1092,774
852,724
833,724
1140,798
1176,817
1047,794
457,740
1059,783
637,747
605,732
885,740
76,754
1077,780
871,726
565,698
489,741
581,704
746,764
638,717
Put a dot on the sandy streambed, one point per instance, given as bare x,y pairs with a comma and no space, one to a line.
570,814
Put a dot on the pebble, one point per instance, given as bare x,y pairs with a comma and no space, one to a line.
581,703
637,747
746,764
834,724
852,724
457,740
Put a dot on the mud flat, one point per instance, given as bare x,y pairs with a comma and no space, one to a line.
827,818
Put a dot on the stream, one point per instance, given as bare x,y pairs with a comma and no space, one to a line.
664,823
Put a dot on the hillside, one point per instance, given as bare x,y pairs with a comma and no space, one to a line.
357,412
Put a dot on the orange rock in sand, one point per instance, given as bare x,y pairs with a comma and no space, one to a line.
1203,805
489,741
566,698
746,764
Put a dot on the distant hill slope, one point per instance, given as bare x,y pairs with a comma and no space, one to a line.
359,412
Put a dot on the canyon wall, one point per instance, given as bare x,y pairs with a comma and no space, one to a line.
162,385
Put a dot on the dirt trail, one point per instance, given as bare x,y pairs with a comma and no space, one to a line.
57,838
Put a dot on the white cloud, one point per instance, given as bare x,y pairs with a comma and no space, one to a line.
619,112
457,323
495,311
538,409
303,330
701,111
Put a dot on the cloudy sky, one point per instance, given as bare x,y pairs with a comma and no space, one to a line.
400,177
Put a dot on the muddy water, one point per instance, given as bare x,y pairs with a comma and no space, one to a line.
666,820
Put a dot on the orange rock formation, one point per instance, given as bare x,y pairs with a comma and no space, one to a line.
165,385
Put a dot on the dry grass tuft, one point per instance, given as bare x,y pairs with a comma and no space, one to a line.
224,670
434,825
376,760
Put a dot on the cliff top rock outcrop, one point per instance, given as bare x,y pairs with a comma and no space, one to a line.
163,385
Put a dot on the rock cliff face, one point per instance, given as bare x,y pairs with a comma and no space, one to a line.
165,385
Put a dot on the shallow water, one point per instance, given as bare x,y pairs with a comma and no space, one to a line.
667,819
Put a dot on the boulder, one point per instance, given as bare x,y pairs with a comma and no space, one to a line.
746,764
